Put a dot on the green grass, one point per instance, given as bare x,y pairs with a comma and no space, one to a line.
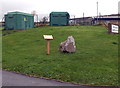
1,28
1,46
6,32
95,61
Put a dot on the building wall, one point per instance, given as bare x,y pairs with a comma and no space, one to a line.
9,22
108,21
81,21
105,19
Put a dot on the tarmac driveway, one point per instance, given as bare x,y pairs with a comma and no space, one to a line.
14,79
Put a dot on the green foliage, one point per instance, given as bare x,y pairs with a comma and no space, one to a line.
95,61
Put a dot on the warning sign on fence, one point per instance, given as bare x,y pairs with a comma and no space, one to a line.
113,28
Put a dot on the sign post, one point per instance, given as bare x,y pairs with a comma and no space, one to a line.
112,28
115,28
48,38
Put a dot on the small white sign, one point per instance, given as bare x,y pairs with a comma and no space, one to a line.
48,36
115,28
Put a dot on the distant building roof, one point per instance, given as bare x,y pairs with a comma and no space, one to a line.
112,15
81,18
109,17
106,18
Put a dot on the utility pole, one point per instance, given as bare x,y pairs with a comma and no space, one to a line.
74,20
119,14
97,12
83,14
37,20
83,18
99,17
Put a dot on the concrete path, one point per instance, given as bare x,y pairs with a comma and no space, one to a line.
14,79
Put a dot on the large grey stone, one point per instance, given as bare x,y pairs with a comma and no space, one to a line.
68,45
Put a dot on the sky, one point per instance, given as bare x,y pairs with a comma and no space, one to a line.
73,7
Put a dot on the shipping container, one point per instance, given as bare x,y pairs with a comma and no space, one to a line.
18,20
59,18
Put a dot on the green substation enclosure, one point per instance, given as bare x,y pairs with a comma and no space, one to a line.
18,20
59,18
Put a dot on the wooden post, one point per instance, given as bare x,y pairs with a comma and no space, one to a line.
109,28
48,46
48,38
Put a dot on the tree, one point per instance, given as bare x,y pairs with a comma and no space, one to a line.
44,20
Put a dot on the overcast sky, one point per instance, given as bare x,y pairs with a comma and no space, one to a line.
74,7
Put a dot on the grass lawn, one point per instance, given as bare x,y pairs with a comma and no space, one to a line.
1,46
1,28
95,61
6,32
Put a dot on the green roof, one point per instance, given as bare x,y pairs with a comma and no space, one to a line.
59,13
21,13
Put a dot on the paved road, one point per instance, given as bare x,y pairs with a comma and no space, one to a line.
13,79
